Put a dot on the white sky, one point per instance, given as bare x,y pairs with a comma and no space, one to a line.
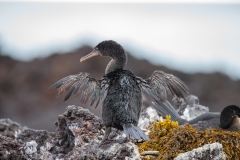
187,37
131,1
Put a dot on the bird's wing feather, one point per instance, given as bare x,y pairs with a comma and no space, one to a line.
161,84
82,84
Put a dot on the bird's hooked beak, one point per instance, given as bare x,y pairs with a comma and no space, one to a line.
90,55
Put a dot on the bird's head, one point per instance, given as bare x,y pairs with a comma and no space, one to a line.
108,48
228,115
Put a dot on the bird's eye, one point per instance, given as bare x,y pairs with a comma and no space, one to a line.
96,48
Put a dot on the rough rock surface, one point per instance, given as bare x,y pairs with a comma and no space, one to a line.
148,116
77,136
9,128
212,151
10,149
190,108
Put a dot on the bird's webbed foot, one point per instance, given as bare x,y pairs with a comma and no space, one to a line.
105,137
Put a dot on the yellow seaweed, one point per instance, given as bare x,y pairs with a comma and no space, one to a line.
170,139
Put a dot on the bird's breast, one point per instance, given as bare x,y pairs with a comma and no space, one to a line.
123,90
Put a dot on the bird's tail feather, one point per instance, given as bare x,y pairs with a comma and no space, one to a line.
135,132
167,109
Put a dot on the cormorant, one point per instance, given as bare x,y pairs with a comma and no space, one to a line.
120,90
228,119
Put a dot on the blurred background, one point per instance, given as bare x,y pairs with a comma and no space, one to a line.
43,42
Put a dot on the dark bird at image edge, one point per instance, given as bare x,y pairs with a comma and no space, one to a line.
120,91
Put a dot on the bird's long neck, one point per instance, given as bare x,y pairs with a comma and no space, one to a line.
116,63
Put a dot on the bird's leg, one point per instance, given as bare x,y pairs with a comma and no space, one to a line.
106,134
122,140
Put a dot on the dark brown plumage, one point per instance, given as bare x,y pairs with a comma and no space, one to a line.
120,90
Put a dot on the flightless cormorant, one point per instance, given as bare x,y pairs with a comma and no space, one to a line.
120,90
228,119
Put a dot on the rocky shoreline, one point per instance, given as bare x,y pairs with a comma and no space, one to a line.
77,136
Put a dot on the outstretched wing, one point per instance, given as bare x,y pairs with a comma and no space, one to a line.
161,84
82,84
